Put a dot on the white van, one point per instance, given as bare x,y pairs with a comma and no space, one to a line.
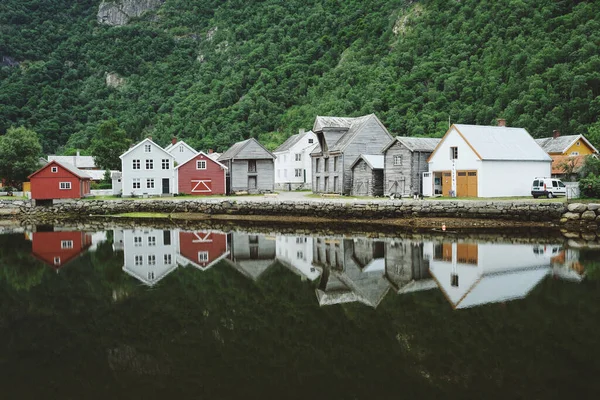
550,187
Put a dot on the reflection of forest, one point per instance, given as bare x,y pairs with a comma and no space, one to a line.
90,328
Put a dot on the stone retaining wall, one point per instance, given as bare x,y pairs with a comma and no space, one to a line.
334,208
586,216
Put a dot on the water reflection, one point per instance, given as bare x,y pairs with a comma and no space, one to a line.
344,269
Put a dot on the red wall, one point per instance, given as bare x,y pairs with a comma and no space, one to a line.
47,245
188,172
45,184
192,242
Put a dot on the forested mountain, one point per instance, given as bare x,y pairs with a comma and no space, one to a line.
214,72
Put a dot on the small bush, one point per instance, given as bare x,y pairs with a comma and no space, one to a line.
101,185
590,186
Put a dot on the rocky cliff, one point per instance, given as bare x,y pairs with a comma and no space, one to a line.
119,12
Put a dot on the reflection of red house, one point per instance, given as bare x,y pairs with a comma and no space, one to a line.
201,175
202,249
59,181
58,248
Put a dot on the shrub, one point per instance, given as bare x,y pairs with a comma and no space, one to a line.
101,185
590,186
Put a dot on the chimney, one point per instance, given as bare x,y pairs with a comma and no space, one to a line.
555,133
301,131
173,140
150,137
210,151
501,122
77,153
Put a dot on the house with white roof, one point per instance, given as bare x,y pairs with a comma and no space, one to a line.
485,161
80,162
293,163
341,141
367,175
180,150
147,169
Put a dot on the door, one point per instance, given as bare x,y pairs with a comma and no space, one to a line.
446,183
472,183
165,186
326,184
461,184
427,184
252,183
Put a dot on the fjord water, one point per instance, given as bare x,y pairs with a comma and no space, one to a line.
151,313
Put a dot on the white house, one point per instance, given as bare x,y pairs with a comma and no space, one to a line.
485,161
147,169
180,150
149,254
296,253
293,162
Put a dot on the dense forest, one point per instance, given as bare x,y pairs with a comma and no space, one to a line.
213,72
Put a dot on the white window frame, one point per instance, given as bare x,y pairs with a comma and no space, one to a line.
454,153
64,185
310,141
200,164
397,159
136,164
298,172
150,183
298,156
149,163
147,148
66,244
151,259
54,170
167,259
203,256
137,241
56,260
138,260
136,183
151,241
165,163
181,149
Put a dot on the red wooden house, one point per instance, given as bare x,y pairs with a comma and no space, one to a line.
58,248
202,249
59,181
201,175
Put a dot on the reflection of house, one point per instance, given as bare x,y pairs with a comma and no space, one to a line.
406,267
566,265
485,161
296,252
472,274
149,254
202,249
292,165
58,248
250,167
251,254
353,270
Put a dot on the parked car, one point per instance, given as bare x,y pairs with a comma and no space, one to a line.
549,187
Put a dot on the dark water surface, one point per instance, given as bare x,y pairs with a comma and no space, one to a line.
155,313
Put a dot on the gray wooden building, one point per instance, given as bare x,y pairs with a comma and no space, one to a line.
405,160
367,175
251,167
406,267
341,141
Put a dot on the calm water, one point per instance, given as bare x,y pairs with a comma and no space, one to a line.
154,313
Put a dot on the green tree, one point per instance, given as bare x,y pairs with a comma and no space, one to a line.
20,150
108,144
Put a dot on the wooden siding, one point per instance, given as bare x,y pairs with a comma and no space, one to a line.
265,175
366,181
208,181
45,184
253,151
404,179
48,246
211,244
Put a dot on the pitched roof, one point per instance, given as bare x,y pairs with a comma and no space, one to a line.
172,146
331,122
561,144
500,143
415,143
354,129
205,155
292,140
144,142
77,161
236,148
374,161
71,168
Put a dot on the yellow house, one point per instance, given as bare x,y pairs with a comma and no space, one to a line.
568,153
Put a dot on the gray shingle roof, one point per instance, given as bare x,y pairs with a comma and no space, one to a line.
331,122
292,140
561,143
355,127
236,148
375,161
502,143
77,161
415,143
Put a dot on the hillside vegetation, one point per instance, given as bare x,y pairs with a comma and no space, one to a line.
214,72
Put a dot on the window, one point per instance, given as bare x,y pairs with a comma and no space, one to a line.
363,165
577,144
310,141
318,165
150,183
335,164
298,172
139,260
397,160
151,241
149,164
181,148
136,164
151,259
167,238
137,241
65,185
299,255
66,244
136,183
54,170
56,260
165,163
574,153
201,164
326,164
147,148
453,153
167,259
298,157
251,165
151,276
203,256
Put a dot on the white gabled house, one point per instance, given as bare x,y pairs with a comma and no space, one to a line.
147,169
180,150
485,161
293,163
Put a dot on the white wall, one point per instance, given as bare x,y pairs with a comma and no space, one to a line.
157,154
467,159
509,178
286,164
182,152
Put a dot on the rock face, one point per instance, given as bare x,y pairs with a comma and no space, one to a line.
113,80
119,12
